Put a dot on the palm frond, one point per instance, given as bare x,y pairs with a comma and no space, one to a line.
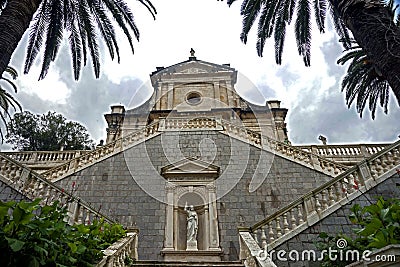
362,82
105,26
121,17
54,35
279,34
249,10
150,7
340,28
265,24
290,7
74,38
36,34
90,32
7,101
320,7
303,31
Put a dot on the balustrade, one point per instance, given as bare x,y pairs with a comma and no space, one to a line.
118,253
34,186
101,152
321,200
353,152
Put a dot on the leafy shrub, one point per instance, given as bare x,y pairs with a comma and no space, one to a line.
31,235
378,225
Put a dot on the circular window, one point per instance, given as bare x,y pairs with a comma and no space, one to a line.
193,98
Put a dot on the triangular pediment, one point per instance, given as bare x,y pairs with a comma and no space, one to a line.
194,67
190,166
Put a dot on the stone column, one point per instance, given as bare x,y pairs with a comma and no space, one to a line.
169,223
170,96
213,218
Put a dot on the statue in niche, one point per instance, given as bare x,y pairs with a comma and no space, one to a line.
192,222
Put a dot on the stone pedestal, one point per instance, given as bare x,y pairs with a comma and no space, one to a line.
191,246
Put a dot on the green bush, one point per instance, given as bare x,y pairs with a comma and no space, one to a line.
31,235
378,225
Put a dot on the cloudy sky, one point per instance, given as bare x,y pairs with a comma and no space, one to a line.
312,95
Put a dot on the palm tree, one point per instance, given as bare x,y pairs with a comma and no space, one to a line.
81,20
363,81
369,21
7,101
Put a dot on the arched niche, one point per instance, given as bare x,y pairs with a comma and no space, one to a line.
192,198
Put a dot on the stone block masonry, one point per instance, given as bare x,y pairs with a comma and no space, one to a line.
7,193
128,186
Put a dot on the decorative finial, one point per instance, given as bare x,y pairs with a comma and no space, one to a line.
192,52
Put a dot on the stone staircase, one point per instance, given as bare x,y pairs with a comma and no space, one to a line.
188,264
33,185
316,205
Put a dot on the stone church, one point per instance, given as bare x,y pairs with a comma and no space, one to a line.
207,178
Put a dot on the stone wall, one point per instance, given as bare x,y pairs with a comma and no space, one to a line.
128,186
337,222
7,193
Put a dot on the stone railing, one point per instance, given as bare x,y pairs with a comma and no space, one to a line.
346,154
324,200
121,253
250,253
189,124
302,157
101,153
33,185
37,157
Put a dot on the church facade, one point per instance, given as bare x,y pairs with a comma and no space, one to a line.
200,171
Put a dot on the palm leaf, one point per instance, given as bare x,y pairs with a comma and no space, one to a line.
7,101
279,34
36,34
90,32
303,31
74,38
54,35
150,7
320,13
249,10
120,18
362,82
105,26
340,28
265,24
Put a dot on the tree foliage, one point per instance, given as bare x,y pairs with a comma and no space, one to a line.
84,23
377,226
31,235
51,131
363,81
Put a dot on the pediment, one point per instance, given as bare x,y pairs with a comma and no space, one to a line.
190,167
195,67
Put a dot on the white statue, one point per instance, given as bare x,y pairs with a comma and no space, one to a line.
192,224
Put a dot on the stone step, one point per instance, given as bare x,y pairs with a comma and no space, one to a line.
188,264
